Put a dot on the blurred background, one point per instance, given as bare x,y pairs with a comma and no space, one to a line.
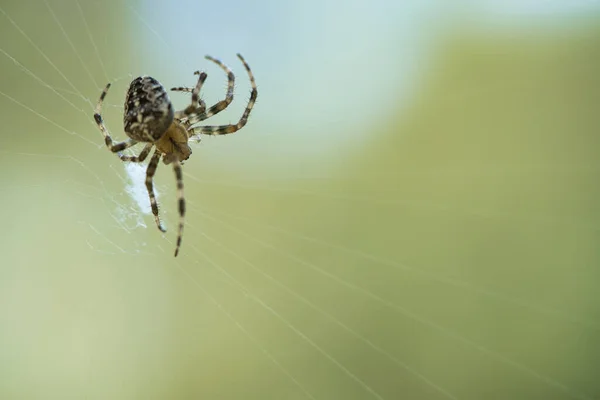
410,213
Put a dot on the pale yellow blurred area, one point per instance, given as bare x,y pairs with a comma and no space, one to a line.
438,241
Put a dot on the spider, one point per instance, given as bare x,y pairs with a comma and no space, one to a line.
149,118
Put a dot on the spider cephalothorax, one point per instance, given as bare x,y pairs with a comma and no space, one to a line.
149,118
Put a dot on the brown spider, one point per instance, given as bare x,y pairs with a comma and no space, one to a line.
149,118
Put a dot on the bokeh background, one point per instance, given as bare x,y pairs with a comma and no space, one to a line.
410,213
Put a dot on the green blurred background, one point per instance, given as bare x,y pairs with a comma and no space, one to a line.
410,213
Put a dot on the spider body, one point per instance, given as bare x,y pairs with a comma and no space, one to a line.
149,118
148,110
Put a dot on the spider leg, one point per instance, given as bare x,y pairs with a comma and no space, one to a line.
201,103
152,166
226,129
181,201
223,104
197,106
182,89
112,146
139,158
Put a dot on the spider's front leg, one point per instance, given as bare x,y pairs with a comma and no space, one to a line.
112,146
152,166
181,202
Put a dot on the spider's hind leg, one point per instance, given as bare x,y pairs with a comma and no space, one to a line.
201,104
223,104
226,129
112,146
197,106
140,157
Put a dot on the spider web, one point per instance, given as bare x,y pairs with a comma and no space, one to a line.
327,253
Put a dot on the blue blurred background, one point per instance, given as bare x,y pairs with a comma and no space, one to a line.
411,211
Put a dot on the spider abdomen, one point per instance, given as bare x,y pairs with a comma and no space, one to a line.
148,110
